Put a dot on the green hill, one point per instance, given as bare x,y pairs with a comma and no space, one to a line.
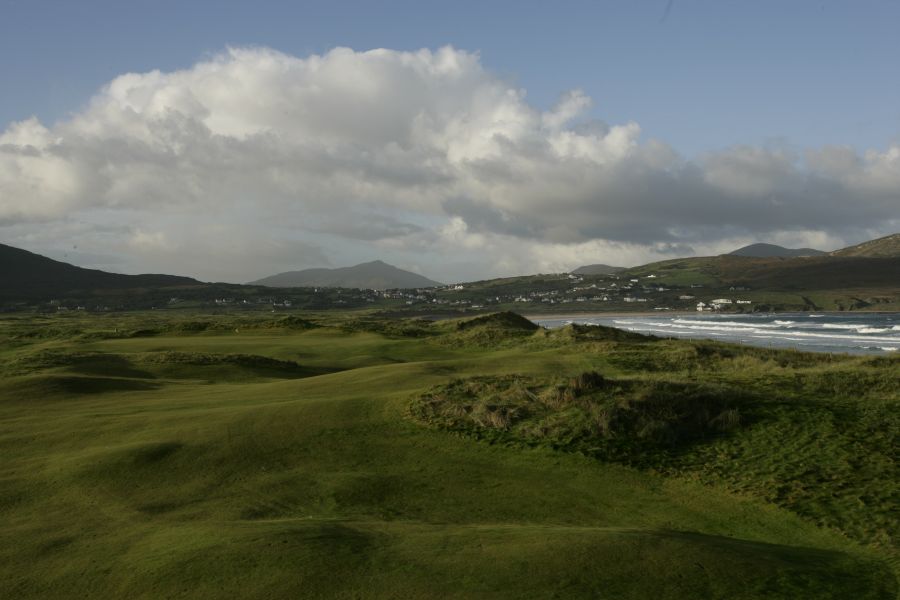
886,247
598,269
28,276
873,264
831,272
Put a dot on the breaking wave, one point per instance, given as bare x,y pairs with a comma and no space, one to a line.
850,333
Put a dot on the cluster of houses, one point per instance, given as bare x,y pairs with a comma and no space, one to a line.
276,303
611,289
67,309
719,304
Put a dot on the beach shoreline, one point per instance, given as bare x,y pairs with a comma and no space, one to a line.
842,332
589,315
687,313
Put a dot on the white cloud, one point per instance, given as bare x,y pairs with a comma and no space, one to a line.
570,105
152,241
411,153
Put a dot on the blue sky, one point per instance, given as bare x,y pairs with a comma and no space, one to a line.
230,140
699,75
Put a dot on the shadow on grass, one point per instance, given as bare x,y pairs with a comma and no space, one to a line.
65,387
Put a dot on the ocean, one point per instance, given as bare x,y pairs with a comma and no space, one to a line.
855,333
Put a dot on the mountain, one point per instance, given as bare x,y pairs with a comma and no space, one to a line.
375,275
597,270
886,247
772,251
25,275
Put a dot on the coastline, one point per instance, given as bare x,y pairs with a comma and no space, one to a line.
687,313
845,332
588,315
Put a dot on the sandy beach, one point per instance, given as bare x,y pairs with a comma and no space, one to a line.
587,315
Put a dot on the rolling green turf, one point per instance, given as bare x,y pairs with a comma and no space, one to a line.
259,458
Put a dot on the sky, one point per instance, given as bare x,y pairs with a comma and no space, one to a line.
232,140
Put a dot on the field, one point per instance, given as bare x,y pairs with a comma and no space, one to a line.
171,454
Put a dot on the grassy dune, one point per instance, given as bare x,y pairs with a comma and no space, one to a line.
148,456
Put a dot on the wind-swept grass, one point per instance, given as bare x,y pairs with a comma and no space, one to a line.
236,478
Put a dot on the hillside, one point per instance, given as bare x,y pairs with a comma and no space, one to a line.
598,269
375,275
819,272
772,250
886,247
26,275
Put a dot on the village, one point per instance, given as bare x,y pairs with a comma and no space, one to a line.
537,293
532,294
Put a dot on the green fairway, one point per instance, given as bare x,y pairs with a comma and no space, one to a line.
146,456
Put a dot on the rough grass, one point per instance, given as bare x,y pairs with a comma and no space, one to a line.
227,483
613,419
815,433
494,330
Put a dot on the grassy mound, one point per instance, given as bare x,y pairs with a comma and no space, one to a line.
595,333
507,321
487,331
395,328
152,365
80,362
295,322
223,367
622,420
814,433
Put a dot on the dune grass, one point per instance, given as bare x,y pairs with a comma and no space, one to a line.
258,458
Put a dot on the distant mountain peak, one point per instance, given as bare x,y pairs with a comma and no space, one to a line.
375,274
763,250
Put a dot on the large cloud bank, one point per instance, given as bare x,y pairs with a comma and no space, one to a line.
256,158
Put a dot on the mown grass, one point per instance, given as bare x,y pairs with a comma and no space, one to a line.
260,458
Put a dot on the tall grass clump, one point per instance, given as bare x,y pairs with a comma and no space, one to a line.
616,419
